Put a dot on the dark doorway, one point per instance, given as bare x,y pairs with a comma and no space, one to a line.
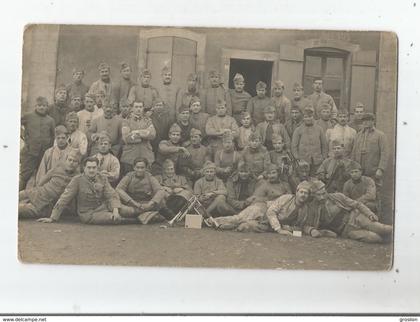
253,72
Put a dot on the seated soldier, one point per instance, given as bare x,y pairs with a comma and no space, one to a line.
300,174
108,166
37,202
219,124
77,139
52,156
211,191
173,185
250,218
334,171
325,117
141,194
281,158
97,202
295,120
198,118
256,156
137,133
361,188
245,131
240,189
270,126
226,158
170,149
339,215
192,165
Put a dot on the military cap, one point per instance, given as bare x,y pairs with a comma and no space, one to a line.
192,76
325,106
146,71
72,116
355,166
166,69
297,86
254,135
194,99
227,136
238,78
220,102
368,117
78,69
243,166
75,153
175,128
209,165
183,108
103,65
269,109
214,73
60,87
304,185
336,143
195,131
124,65
104,137
317,185
261,85
61,129
279,84
360,104
342,112
303,164
296,108
308,111
41,100
277,138
167,163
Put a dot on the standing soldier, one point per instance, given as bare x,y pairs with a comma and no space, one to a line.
357,123
334,171
162,121
319,97
38,137
281,102
59,109
122,88
256,104
144,92
87,115
198,118
370,149
169,92
192,90
103,83
299,100
239,97
308,142
215,93
109,165
324,120
137,132
341,132
77,87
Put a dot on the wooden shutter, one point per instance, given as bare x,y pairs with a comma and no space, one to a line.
290,68
363,79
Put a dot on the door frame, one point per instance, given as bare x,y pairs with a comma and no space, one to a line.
228,53
200,39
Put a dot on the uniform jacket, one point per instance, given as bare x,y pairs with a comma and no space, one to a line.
309,144
78,140
256,106
90,195
39,132
120,91
86,118
110,164
202,186
113,128
257,160
59,112
343,134
169,94
278,129
99,85
147,95
139,189
238,191
363,191
283,106
318,99
74,89
210,97
370,149
243,136
239,102
51,158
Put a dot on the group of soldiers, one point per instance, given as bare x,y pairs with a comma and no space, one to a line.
121,152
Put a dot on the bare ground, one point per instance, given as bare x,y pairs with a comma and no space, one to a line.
70,242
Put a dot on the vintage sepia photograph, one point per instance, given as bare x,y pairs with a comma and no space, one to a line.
208,147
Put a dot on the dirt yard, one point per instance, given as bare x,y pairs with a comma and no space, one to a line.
70,242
